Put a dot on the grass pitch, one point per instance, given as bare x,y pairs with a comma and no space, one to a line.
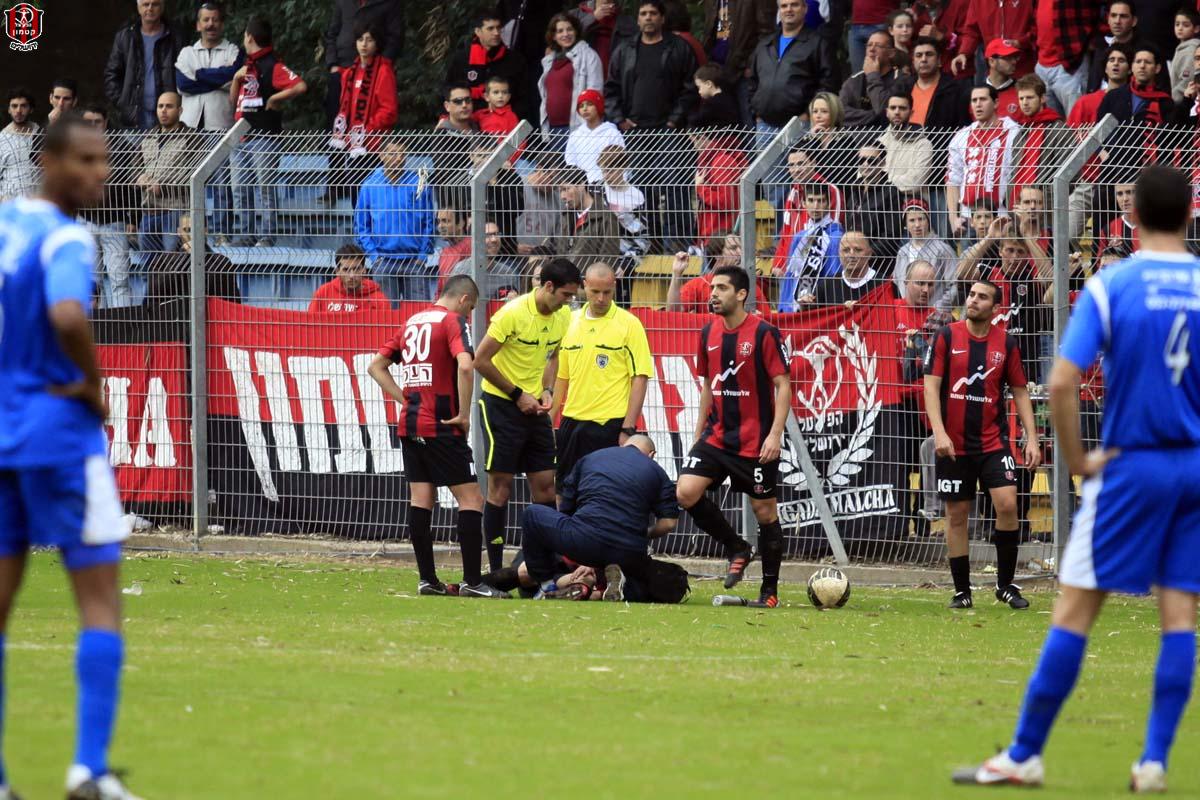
269,679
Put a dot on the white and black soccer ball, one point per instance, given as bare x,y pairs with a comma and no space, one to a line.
828,588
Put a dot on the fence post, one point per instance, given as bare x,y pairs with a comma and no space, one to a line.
479,181
767,161
199,313
1061,221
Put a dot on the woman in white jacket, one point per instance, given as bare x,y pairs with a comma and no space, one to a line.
570,67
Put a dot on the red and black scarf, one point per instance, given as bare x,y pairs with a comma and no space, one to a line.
357,116
1151,111
481,57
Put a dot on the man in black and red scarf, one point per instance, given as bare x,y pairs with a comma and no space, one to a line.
1141,100
485,56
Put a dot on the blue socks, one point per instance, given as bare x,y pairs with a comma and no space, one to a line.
98,672
1052,681
1172,686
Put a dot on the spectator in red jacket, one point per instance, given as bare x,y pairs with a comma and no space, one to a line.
943,21
724,249
721,160
368,106
1118,64
1010,20
497,118
350,290
1065,28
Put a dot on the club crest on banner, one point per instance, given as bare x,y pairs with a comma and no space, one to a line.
23,24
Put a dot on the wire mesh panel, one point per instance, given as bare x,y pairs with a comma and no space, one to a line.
316,249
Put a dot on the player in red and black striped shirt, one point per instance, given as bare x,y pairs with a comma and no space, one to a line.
745,375
437,371
967,370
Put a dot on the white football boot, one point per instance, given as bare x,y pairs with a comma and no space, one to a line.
1148,777
1002,769
82,785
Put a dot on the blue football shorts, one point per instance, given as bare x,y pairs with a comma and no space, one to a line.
74,507
1138,525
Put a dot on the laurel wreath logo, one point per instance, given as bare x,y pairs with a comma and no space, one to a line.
847,462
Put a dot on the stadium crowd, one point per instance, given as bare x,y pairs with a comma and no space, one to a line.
928,136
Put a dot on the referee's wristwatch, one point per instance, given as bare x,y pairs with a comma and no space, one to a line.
629,431
516,393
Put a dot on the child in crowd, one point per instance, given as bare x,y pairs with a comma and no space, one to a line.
717,107
587,141
625,200
814,252
1187,32
497,117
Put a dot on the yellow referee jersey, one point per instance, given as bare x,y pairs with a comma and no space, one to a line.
599,358
529,339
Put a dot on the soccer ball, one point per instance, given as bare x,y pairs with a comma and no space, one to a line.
828,588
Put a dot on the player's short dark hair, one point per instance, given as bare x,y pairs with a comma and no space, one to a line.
737,276
22,92
260,31
210,5
57,138
1162,198
991,90
455,86
458,285
372,27
900,93
560,272
486,15
997,292
348,251
70,84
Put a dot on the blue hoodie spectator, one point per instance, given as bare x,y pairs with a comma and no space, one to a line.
394,222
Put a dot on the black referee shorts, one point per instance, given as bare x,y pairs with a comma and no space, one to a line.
514,442
440,460
577,438
745,475
958,479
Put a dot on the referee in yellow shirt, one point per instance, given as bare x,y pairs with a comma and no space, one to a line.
604,365
518,360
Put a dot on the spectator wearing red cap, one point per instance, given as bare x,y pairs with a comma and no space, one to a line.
569,68
1010,20
587,141
1064,30
1002,59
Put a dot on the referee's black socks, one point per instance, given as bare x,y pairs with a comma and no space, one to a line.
470,541
708,516
495,518
1007,544
770,550
419,522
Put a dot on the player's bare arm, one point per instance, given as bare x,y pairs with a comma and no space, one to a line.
1033,448
933,407
70,322
466,388
1064,414
484,365
382,375
706,401
773,444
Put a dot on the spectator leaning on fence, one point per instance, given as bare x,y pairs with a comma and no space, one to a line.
350,290
588,140
18,171
723,249
857,277
542,217
864,94
453,244
168,288
114,218
569,68
604,25
141,66
981,159
788,68
501,270
720,162
204,71
169,154
908,153
341,40
485,55
64,96
259,90
924,246
394,224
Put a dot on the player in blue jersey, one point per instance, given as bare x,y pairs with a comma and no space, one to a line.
1138,524
56,486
